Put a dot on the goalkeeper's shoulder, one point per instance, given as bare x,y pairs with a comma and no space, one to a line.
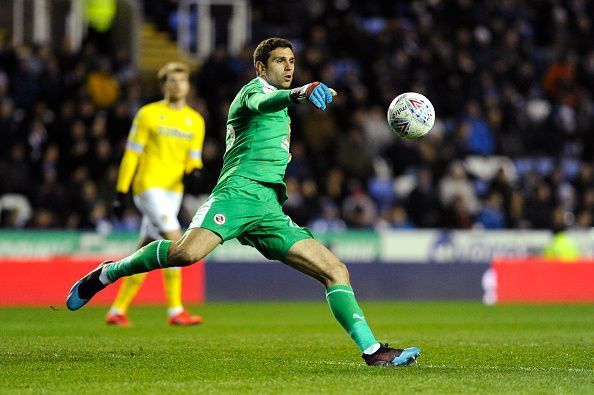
256,85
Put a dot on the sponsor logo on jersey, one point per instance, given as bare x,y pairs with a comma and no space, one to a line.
173,132
219,219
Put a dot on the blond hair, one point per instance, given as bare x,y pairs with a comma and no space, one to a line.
172,67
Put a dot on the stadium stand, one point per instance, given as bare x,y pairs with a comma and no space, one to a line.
511,82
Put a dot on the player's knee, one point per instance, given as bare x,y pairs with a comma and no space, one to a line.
338,274
180,256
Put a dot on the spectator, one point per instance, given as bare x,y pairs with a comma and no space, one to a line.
358,208
539,206
560,76
394,217
492,215
480,139
16,172
102,85
457,215
8,125
423,203
455,185
329,219
583,220
353,155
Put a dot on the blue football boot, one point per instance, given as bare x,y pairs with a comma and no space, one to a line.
387,356
84,289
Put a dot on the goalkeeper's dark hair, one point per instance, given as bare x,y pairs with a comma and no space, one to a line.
262,51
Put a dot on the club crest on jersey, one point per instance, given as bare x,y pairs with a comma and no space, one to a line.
219,219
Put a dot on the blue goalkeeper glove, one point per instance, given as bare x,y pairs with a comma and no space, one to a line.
316,92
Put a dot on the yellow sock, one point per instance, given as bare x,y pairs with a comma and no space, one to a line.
173,288
128,290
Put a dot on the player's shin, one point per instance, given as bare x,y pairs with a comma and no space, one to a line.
347,312
150,257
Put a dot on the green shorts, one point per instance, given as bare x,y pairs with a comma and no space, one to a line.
250,211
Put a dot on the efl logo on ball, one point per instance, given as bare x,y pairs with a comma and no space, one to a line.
411,115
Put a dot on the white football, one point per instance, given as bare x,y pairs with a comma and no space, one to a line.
411,115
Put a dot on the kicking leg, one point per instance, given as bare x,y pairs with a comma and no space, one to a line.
194,245
311,257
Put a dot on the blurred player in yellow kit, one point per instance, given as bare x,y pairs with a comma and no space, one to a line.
164,152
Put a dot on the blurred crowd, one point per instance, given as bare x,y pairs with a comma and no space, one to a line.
511,82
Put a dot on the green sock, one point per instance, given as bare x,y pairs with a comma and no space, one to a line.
151,256
347,312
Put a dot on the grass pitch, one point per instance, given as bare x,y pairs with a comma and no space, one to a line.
275,348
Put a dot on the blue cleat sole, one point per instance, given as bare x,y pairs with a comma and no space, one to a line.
406,357
73,302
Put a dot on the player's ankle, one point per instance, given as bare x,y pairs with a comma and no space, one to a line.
173,311
372,349
103,275
116,311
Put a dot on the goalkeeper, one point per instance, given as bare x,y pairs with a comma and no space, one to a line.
164,148
246,204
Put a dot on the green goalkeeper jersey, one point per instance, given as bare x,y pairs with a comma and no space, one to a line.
258,134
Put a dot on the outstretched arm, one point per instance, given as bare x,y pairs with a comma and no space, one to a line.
269,102
316,93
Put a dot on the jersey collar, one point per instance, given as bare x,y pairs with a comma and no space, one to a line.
266,86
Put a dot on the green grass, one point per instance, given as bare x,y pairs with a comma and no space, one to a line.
298,348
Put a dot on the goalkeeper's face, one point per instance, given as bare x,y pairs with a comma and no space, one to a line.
279,68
